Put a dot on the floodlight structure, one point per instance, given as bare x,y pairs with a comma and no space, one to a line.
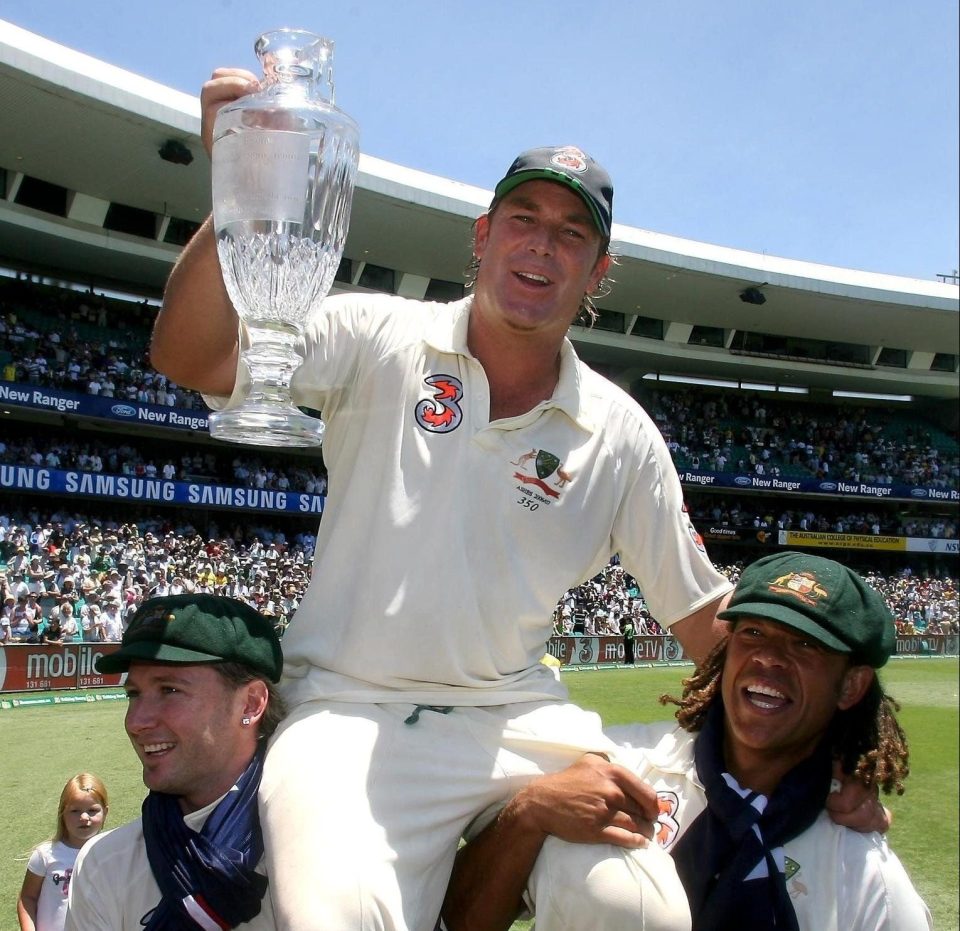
176,152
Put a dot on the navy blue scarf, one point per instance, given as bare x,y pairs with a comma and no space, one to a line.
722,848
208,880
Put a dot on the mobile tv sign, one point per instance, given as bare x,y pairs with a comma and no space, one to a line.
26,667
593,651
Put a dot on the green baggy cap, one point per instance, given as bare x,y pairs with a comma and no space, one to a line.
821,598
198,629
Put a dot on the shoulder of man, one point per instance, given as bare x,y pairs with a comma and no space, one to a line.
623,414
112,846
874,889
390,307
663,739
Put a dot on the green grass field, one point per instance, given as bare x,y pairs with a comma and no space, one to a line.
43,746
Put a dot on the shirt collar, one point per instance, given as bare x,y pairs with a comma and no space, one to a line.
448,333
674,753
448,329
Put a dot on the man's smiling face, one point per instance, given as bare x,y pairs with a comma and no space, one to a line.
539,254
781,689
184,723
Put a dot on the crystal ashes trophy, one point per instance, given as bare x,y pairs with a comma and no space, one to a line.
284,166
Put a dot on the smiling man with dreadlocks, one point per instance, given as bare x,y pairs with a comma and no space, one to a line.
742,783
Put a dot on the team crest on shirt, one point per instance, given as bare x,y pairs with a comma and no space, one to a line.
441,412
667,824
794,886
541,476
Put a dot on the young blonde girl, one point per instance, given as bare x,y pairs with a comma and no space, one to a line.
42,905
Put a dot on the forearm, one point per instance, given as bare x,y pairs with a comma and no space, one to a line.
592,801
28,901
491,872
700,632
195,338
25,918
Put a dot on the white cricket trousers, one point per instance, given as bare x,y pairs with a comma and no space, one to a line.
363,806
600,887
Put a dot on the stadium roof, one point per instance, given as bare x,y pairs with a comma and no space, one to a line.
87,195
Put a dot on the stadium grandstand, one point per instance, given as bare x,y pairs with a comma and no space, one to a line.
805,406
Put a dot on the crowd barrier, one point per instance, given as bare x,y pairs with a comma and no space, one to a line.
26,667
594,651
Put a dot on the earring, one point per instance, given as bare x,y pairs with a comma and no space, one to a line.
245,721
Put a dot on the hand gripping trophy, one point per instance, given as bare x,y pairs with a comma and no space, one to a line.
284,166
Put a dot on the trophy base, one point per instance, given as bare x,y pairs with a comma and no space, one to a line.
255,424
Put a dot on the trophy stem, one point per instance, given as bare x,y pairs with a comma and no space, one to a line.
272,358
268,416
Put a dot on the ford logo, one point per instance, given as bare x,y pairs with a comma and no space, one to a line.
828,486
742,480
918,492
123,410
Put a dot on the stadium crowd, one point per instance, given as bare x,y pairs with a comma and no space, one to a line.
66,576
73,364
152,459
747,434
607,603
91,574
74,577
744,513
62,355
742,433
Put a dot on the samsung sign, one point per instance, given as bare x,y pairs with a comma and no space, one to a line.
131,488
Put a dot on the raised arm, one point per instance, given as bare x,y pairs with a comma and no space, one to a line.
196,335
700,631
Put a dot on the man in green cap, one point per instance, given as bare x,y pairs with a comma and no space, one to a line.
742,784
200,673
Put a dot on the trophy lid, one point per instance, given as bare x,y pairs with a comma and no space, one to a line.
297,56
